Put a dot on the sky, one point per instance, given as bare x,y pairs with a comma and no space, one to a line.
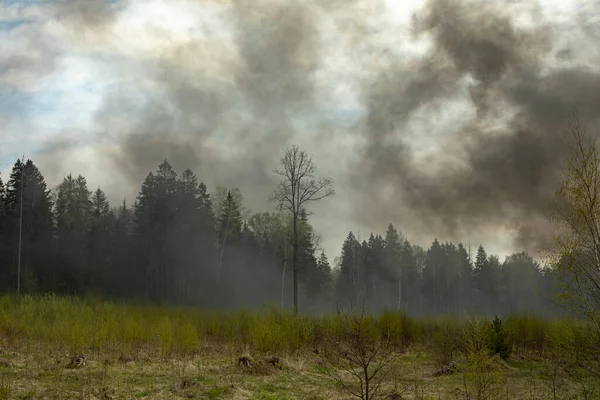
437,116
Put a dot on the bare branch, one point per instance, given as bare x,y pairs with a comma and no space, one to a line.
577,211
366,355
298,187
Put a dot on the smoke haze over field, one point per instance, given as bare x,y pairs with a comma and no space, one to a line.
442,117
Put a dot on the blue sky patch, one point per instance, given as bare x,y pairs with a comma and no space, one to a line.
7,25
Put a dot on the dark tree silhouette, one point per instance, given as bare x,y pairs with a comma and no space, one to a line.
298,188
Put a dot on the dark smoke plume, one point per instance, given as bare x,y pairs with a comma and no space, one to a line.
85,14
247,105
507,156
227,106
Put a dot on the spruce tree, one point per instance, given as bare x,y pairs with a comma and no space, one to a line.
324,277
126,251
37,228
230,220
431,273
482,280
450,276
100,250
2,199
155,213
307,262
4,266
347,286
100,206
73,220
465,277
523,278
394,267
410,281
73,207
493,283
364,273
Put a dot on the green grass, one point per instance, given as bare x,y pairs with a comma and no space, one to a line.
171,353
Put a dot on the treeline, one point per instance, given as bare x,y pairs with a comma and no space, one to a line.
178,244
391,272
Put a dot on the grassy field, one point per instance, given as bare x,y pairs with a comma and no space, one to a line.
131,352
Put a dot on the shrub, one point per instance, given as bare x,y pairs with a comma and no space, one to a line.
444,342
500,345
359,359
481,369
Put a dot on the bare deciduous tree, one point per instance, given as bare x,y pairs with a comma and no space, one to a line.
298,188
365,355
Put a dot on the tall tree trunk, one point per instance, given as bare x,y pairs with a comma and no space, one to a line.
283,274
295,263
399,288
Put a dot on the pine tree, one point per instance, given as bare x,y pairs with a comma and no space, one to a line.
522,277
205,204
307,262
219,198
73,207
155,213
481,260
482,280
411,276
465,277
100,206
192,239
37,227
2,199
100,248
126,217
324,277
493,284
194,209
432,271
125,249
73,221
374,271
451,278
230,220
229,231
4,266
394,267
350,269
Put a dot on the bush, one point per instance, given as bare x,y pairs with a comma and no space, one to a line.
359,359
444,342
481,369
500,345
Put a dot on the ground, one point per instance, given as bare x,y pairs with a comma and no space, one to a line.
38,373
67,348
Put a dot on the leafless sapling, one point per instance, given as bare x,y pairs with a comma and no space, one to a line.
360,358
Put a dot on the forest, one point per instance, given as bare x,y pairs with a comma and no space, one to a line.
179,244
154,246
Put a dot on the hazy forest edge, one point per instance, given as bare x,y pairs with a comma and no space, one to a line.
178,244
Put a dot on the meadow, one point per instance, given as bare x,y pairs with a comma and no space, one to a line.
67,348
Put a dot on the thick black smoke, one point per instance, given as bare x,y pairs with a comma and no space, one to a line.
508,155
